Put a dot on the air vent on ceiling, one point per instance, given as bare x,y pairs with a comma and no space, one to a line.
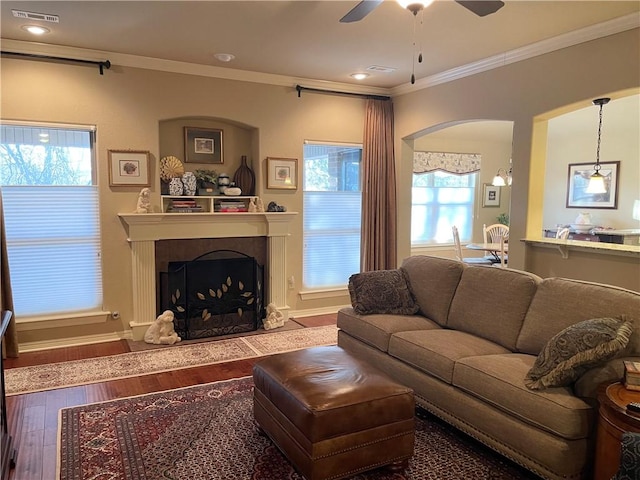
43,17
378,68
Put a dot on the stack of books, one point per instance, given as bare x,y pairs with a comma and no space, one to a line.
231,206
184,206
632,375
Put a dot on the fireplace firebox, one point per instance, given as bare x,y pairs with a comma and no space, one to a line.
218,293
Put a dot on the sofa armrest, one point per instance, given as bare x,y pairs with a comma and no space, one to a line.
612,371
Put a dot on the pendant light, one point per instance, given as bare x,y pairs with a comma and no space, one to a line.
596,181
414,7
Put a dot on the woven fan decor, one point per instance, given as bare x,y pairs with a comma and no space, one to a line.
170,167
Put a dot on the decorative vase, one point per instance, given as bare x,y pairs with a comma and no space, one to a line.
176,186
245,178
190,183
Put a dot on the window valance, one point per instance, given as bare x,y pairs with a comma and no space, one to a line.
457,163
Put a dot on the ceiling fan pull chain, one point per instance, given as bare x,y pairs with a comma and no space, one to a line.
420,37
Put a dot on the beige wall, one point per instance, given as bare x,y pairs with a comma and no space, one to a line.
127,104
517,92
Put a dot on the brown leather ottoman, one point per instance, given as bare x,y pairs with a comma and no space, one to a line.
331,414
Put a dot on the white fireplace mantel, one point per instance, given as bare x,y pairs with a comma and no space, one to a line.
143,230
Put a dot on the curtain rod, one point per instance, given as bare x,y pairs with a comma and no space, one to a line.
300,88
102,65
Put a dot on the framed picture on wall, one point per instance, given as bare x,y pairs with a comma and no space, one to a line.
203,145
128,167
282,173
490,196
579,174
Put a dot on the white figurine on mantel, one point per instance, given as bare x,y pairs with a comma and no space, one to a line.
144,201
274,319
259,205
252,206
161,331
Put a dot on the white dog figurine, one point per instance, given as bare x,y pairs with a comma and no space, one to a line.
161,331
274,318
144,203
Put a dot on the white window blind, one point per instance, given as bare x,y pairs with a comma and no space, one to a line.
332,214
440,200
52,219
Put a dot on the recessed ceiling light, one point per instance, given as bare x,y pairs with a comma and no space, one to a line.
359,76
36,29
224,57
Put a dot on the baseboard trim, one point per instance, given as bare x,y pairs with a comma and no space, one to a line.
315,311
73,342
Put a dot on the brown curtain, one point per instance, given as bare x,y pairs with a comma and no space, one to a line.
10,343
379,235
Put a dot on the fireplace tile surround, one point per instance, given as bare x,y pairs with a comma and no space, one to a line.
144,230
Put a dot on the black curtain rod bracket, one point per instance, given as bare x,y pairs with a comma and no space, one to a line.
300,88
101,64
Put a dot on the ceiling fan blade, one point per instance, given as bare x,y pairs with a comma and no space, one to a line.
482,8
361,10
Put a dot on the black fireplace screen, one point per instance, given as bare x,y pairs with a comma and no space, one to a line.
218,293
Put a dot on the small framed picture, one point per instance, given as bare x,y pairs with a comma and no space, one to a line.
578,181
203,145
282,173
491,196
128,167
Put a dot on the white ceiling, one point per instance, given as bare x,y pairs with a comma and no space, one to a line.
304,39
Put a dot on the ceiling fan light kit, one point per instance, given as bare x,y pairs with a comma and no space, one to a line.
413,6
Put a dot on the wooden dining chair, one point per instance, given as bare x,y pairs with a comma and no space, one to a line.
457,246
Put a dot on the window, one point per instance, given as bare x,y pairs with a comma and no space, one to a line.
50,201
443,195
332,213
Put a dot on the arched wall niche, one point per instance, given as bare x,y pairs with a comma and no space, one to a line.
490,138
238,139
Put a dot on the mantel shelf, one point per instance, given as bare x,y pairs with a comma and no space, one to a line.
164,226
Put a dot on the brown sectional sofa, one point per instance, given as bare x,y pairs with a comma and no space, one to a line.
468,349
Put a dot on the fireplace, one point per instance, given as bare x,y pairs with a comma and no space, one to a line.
218,293
144,231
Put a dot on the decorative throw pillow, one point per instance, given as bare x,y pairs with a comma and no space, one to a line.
381,291
576,349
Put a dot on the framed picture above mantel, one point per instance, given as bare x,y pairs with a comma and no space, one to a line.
578,180
203,145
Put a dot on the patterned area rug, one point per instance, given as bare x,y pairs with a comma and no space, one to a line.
82,372
206,432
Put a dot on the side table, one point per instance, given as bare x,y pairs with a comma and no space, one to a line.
613,421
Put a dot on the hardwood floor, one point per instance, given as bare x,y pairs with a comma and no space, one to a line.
33,417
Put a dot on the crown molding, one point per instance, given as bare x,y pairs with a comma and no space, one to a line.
593,32
185,68
610,27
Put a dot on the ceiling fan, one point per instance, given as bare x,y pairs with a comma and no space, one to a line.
365,7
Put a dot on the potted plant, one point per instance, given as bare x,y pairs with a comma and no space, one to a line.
207,181
503,218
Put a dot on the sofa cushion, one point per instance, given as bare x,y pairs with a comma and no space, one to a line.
492,303
499,381
576,349
560,302
433,282
376,330
436,351
381,291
